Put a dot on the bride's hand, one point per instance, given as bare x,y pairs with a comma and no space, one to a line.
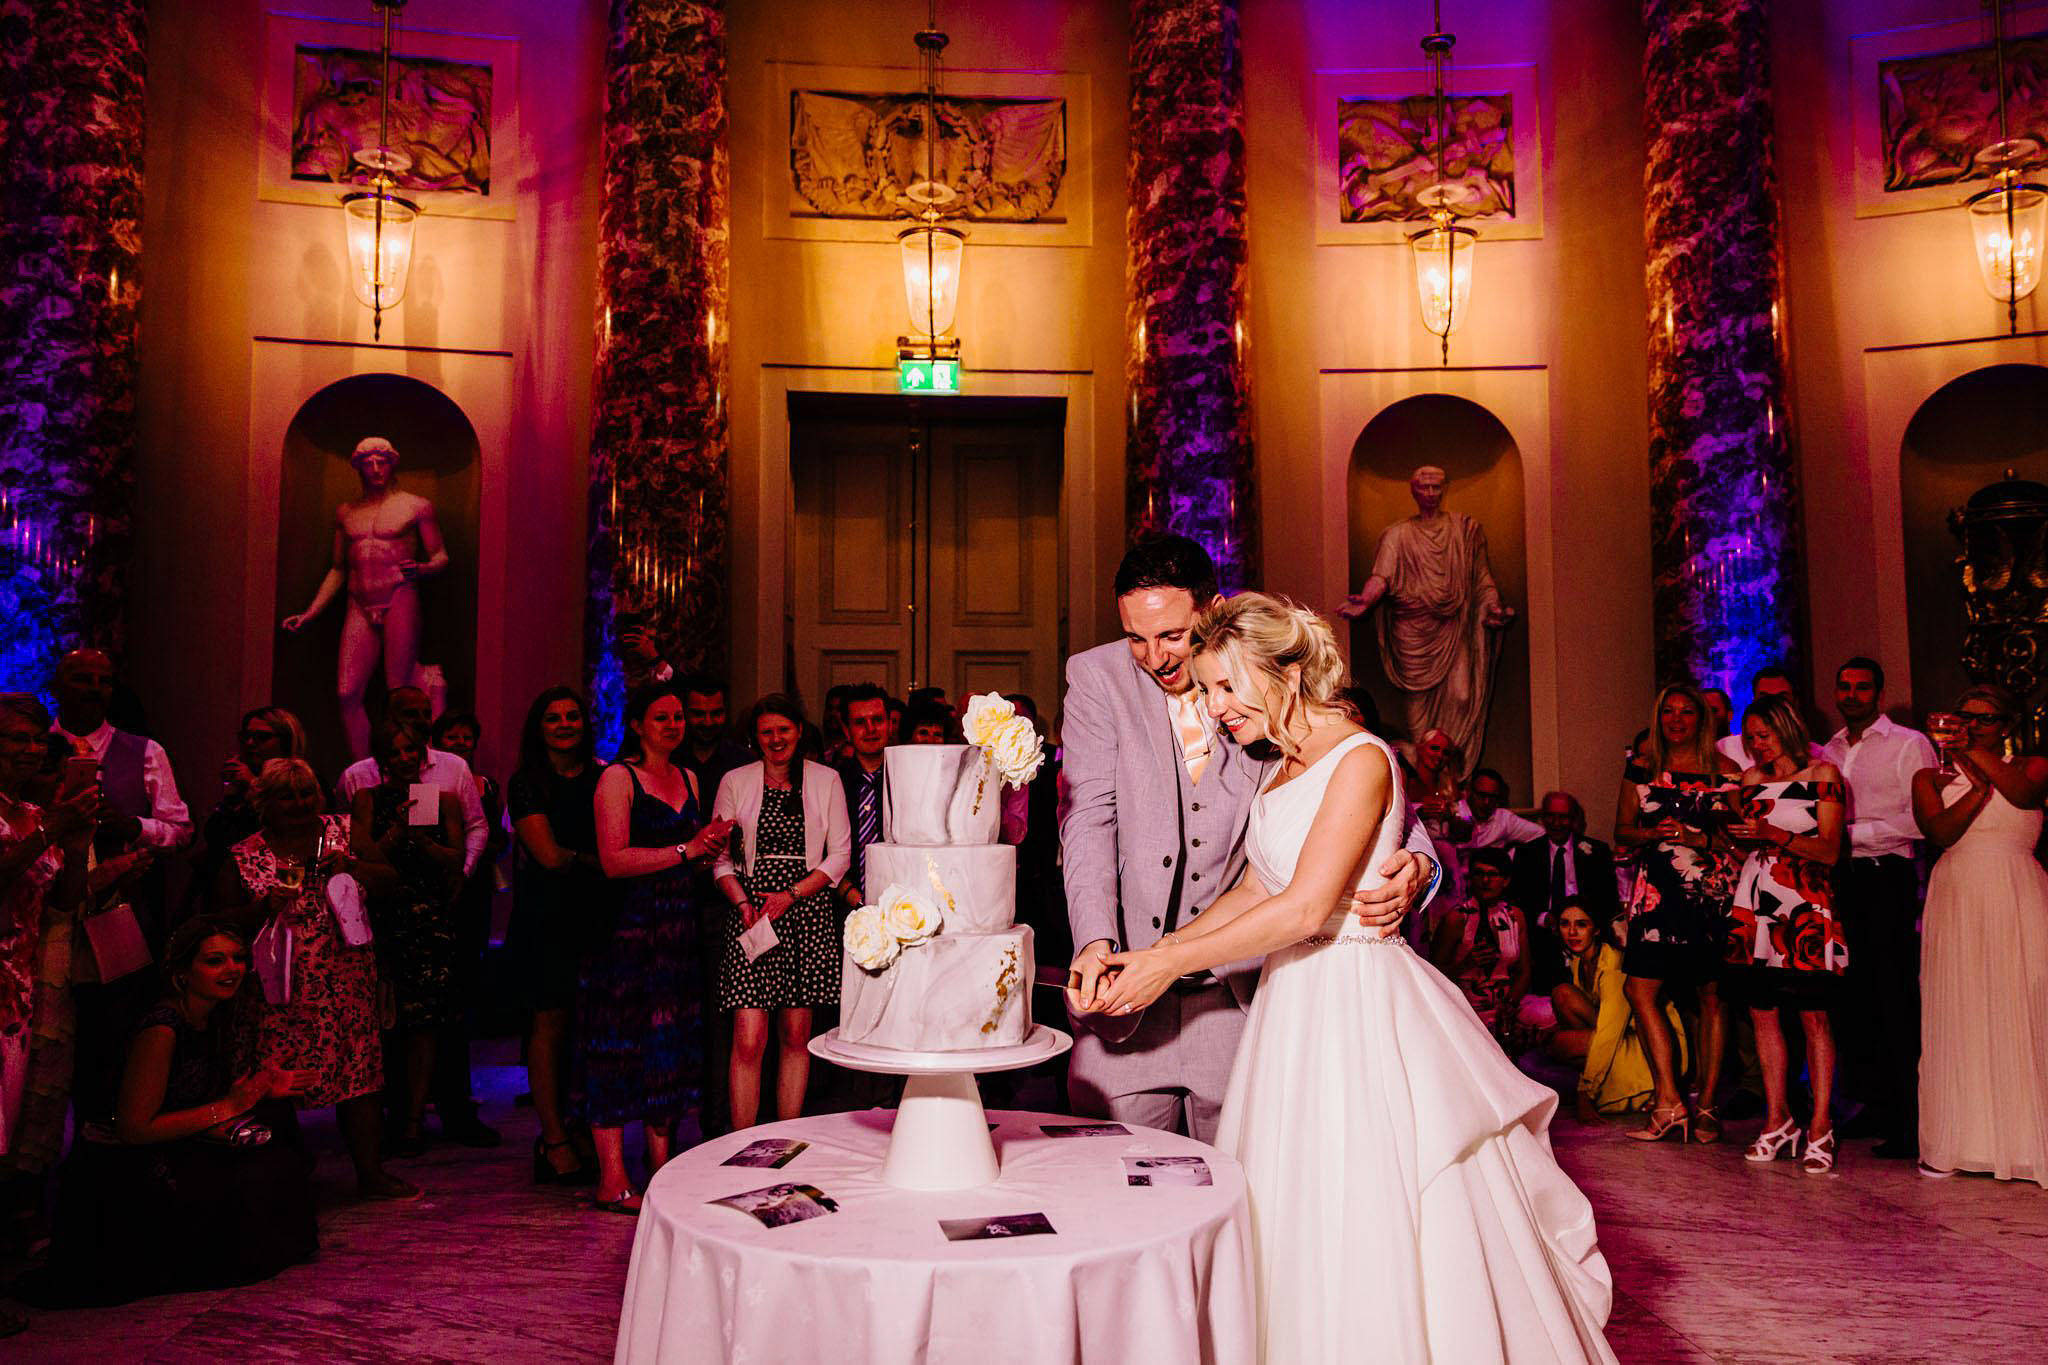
1141,977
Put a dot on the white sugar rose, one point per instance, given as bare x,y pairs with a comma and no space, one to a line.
868,940
908,916
986,715
1017,752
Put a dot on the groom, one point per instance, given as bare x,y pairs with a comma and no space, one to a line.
1154,832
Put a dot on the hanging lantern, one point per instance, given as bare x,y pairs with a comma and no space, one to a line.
1444,252
932,257
2009,221
379,222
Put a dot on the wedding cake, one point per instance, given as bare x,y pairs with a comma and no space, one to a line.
937,961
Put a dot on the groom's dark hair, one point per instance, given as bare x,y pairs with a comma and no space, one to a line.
1168,561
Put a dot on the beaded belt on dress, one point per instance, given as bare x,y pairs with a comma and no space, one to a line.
1325,940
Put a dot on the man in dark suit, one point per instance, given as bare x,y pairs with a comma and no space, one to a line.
1563,865
860,770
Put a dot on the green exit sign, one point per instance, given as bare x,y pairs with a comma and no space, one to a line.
928,376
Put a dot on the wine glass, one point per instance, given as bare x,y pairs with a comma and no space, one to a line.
1946,729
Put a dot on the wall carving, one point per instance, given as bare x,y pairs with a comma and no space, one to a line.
440,117
1387,154
853,156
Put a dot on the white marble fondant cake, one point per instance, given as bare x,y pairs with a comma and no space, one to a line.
969,985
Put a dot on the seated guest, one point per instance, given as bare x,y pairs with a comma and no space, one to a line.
322,1019
641,1040
410,863
1485,809
1785,947
267,732
1562,864
1482,944
1596,1028
199,1193
1984,964
792,845
459,732
559,908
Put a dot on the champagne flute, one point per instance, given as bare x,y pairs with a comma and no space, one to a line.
1946,729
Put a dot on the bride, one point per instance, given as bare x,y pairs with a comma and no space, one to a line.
1405,1203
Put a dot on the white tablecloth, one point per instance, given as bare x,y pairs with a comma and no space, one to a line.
1132,1273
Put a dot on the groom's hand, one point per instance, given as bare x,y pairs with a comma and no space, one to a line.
1087,976
1407,876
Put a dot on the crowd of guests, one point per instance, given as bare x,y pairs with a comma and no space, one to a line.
172,997
173,994
1855,928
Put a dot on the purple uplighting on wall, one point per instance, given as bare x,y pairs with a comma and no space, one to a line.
1724,502
1189,445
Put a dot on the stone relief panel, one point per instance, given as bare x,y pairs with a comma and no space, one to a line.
855,156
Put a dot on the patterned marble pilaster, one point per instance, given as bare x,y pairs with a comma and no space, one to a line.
1189,443
659,436
71,124
1724,501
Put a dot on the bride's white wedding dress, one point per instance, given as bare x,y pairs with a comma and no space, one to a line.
1405,1201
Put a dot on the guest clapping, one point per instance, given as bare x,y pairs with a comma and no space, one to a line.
641,1029
321,1015
1785,946
407,836
794,843
559,903
1984,961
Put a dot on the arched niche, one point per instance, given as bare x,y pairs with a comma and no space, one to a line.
1966,435
1484,467
438,459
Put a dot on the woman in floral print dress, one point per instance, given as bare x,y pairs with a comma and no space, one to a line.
328,1025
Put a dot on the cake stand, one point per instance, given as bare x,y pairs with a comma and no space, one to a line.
940,1141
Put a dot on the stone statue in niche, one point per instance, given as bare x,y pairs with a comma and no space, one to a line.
385,542
1441,618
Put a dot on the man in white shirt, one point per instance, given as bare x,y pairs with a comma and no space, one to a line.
442,769
140,809
1769,680
1485,808
1877,899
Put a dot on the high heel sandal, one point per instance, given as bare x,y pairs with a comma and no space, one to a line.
544,1172
622,1204
1706,1127
1780,1141
1819,1158
1664,1124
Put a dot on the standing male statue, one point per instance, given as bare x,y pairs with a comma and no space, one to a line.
384,543
1440,629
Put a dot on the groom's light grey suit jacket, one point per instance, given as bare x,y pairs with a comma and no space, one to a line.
1143,848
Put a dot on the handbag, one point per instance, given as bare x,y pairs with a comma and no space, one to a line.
115,936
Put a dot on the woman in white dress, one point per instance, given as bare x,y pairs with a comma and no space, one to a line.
1984,955
1405,1202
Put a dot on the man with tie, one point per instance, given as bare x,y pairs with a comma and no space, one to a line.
1564,864
867,735
1154,831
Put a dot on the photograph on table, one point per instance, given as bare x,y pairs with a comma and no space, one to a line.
1009,1225
1076,1130
768,1152
774,1206
1167,1170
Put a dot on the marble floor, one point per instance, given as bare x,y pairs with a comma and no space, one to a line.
1714,1260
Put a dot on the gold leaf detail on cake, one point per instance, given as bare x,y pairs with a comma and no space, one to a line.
931,868
1006,981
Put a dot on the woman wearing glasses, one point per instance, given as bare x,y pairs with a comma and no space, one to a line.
1984,953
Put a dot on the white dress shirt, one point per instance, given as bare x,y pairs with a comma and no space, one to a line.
443,770
1502,829
168,824
1878,772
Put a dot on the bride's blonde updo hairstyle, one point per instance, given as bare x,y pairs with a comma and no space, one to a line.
1259,638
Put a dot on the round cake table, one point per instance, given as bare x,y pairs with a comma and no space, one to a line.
1158,1271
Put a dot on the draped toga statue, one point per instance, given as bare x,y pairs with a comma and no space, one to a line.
1443,615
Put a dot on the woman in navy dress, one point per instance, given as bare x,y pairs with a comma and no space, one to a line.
642,1029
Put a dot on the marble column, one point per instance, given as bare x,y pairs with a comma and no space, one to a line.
659,435
1189,445
71,122
1724,500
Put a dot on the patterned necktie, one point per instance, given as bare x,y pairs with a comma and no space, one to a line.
869,826
1194,739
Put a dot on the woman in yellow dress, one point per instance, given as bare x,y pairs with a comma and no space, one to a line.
1596,1028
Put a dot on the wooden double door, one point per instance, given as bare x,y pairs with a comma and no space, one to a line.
927,548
